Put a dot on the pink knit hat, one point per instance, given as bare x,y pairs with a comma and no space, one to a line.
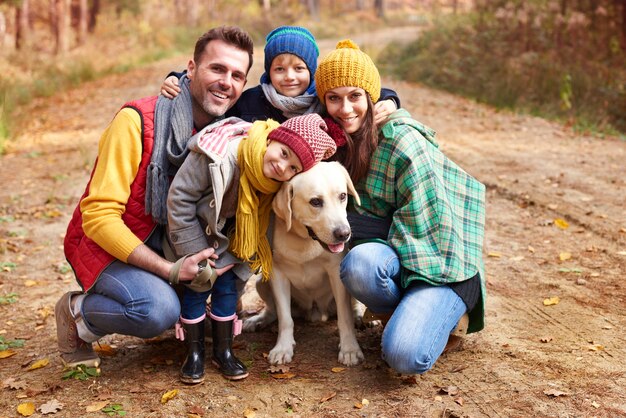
308,137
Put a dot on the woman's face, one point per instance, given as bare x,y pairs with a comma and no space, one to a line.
347,106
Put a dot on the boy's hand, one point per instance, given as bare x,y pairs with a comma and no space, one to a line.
382,110
170,87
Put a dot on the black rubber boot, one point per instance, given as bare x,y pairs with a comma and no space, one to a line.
192,371
223,357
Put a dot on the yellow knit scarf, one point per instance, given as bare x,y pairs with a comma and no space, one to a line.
256,192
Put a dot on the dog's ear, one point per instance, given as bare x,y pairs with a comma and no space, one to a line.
351,189
282,203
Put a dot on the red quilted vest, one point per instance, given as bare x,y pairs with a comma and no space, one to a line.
86,257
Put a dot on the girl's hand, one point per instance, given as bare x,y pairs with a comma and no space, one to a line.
220,270
382,110
170,87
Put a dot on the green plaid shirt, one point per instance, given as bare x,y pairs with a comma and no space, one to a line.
437,209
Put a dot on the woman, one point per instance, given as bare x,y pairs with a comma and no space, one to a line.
418,234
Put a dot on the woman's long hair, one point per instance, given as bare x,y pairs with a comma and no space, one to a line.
355,156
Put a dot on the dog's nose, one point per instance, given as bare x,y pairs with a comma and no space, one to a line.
342,233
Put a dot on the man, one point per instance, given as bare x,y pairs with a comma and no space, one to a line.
113,241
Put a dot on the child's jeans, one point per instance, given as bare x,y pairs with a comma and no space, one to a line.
223,298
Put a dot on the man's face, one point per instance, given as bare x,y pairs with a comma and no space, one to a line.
217,80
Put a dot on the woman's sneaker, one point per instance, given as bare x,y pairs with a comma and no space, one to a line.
74,351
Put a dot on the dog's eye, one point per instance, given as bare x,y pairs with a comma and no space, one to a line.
343,196
316,202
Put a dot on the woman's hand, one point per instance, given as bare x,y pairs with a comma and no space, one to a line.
382,110
170,87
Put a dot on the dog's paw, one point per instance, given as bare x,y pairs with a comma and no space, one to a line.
281,354
351,354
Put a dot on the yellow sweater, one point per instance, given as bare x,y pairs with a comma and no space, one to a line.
119,156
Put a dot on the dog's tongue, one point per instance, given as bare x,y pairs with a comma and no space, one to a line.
336,248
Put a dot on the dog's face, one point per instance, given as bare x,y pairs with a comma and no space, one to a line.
316,200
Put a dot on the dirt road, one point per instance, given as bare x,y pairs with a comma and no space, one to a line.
556,228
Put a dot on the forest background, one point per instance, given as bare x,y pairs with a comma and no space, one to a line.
563,59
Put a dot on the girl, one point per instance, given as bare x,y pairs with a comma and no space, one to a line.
234,168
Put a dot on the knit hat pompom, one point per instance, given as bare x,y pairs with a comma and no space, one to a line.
347,66
293,40
308,138
347,43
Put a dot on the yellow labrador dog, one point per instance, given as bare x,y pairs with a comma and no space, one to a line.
310,233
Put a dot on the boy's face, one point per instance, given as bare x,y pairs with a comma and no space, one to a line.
289,75
279,162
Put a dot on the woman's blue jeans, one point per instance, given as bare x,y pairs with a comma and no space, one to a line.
423,315
131,301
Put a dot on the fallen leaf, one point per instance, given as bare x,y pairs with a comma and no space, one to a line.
409,380
30,283
621,253
51,407
169,395
7,353
494,254
196,410
545,339
105,350
26,409
337,369
554,300
554,393
596,347
517,258
561,223
450,390
564,256
39,364
595,404
358,405
531,249
249,413
96,406
365,402
328,397
283,375
459,400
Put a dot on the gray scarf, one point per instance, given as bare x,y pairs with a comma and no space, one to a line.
292,106
173,126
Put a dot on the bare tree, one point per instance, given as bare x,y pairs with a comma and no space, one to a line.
60,24
21,24
379,7
360,4
3,29
83,17
94,10
314,9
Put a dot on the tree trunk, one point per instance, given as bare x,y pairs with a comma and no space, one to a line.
360,4
21,24
379,7
267,6
93,15
314,9
61,19
624,25
83,18
3,29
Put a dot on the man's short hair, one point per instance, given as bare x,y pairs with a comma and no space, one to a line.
232,35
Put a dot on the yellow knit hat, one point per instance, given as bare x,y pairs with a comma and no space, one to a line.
347,66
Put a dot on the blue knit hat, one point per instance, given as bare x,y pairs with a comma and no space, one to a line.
294,40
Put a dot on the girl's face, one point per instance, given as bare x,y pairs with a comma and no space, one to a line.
280,162
347,106
289,75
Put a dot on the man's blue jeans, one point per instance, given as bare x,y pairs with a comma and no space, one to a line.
131,301
423,315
